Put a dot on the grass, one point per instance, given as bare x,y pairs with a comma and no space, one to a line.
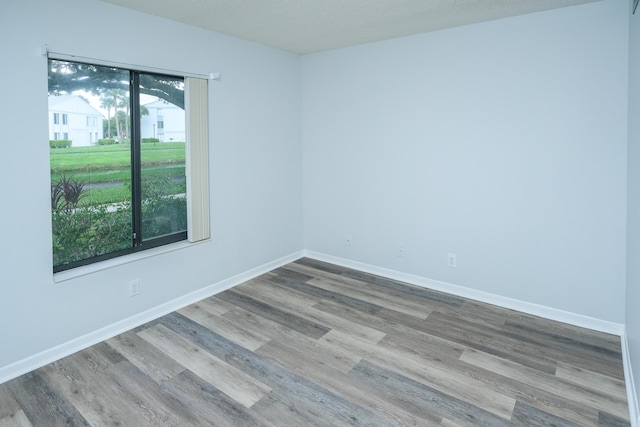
114,157
122,174
107,195
108,168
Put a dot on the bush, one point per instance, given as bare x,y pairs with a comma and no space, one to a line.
66,194
60,143
162,212
83,232
88,232
106,141
154,140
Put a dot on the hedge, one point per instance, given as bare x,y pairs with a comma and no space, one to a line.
106,141
59,143
154,140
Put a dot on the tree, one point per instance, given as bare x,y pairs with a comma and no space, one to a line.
118,96
106,102
66,77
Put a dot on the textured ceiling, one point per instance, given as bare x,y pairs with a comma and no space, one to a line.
307,26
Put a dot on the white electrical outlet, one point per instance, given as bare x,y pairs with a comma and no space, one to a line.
401,251
348,240
451,260
134,288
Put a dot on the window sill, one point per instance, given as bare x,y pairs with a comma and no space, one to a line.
125,259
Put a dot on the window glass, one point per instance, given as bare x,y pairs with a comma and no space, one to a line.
164,204
121,189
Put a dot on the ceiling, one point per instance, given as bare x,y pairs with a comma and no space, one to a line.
307,26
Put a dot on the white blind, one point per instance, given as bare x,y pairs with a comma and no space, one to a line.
197,161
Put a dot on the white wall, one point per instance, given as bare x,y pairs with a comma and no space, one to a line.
502,142
632,319
255,160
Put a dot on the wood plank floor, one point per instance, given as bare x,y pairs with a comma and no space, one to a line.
314,344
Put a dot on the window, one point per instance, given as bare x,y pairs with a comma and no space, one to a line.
65,119
127,195
65,136
56,118
56,135
88,120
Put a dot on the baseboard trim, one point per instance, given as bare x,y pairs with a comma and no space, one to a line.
632,397
489,298
45,357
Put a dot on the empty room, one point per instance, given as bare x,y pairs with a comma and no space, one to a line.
292,213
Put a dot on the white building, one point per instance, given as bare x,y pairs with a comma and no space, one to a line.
71,117
165,121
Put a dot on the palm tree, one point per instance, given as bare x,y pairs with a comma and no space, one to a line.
124,103
106,102
117,95
119,99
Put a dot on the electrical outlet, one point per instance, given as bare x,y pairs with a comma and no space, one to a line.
134,288
348,240
401,251
451,260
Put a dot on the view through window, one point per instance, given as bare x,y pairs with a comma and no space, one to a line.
117,157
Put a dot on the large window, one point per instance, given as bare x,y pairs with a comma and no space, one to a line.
125,189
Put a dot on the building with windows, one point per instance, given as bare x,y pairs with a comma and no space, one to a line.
164,121
71,117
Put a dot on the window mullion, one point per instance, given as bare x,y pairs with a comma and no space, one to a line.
136,164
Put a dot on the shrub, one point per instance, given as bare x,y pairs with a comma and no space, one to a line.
162,212
60,143
87,232
154,140
82,232
106,141
66,194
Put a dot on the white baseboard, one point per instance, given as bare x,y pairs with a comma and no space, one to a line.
632,397
50,355
489,298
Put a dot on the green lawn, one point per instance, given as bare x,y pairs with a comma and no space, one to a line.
106,170
113,157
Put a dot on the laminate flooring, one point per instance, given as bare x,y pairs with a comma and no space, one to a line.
314,344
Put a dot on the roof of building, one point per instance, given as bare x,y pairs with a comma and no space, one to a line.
72,104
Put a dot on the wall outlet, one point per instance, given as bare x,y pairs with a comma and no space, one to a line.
451,260
348,240
134,288
401,251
